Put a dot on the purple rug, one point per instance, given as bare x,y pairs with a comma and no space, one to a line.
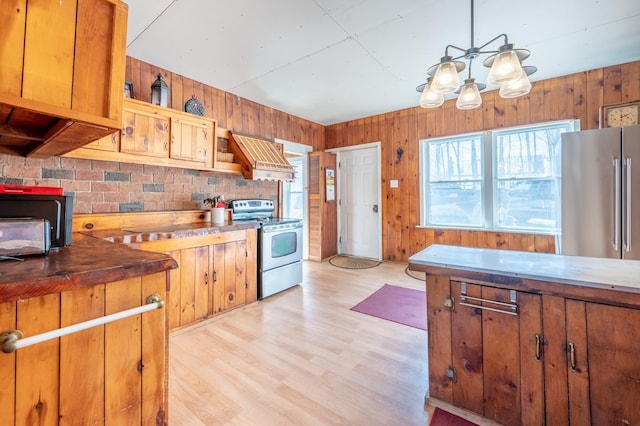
398,304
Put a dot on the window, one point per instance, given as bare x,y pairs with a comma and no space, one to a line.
505,179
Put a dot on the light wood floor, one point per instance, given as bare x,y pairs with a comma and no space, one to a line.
302,357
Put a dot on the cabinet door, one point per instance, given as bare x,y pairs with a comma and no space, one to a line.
604,372
493,335
194,284
192,140
145,133
230,275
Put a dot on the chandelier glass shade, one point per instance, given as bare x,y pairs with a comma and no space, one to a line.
469,97
429,98
506,71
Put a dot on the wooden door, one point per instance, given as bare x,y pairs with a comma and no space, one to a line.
604,372
194,284
493,335
144,133
191,140
359,203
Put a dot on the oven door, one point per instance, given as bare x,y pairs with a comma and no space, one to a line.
281,245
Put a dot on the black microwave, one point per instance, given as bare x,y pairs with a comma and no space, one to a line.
57,209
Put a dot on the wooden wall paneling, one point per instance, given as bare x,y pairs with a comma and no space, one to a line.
475,118
631,82
234,117
565,97
500,116
579,95
8,364
82,357
179,90
393,212
522,109
123,390
449,122
612,85
536,102
410,181
594,100
146,79
488,111
550,104
37,377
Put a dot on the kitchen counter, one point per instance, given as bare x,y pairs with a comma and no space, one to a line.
139,234
598,279
87,262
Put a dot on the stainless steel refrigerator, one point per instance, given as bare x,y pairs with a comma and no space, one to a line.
600,213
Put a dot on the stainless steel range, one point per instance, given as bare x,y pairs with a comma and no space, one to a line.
279,245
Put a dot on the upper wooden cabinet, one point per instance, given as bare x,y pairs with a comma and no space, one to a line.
144,131
192,139
62,67
155,135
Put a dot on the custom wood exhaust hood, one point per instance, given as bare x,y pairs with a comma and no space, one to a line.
260,158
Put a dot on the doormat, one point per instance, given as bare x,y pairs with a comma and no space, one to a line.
445,418
350,262
398,304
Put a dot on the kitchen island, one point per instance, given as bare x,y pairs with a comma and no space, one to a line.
532,338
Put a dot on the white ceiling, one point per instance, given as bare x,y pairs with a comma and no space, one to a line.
330,61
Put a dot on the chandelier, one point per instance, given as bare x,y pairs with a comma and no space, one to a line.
506,71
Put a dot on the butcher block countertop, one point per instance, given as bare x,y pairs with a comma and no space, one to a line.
87,262
604,280
139,234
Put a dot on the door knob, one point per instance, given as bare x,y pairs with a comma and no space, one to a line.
375,208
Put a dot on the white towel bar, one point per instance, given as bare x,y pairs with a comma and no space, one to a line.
12,340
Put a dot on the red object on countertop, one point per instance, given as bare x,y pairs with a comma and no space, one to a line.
31,190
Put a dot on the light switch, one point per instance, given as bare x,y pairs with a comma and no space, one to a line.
393,183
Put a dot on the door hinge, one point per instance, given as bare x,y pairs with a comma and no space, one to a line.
448,302
339,240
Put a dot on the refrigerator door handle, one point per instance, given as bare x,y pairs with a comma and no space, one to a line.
616,205
627,243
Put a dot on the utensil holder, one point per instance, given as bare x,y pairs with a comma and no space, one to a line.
217,215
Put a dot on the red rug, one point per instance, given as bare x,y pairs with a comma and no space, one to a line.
398,304
444,418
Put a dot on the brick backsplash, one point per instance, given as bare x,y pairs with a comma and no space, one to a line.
109,187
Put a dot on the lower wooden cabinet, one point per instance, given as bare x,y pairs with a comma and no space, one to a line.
112,374
216,273
521,358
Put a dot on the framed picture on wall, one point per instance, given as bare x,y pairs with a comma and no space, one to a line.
330,182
